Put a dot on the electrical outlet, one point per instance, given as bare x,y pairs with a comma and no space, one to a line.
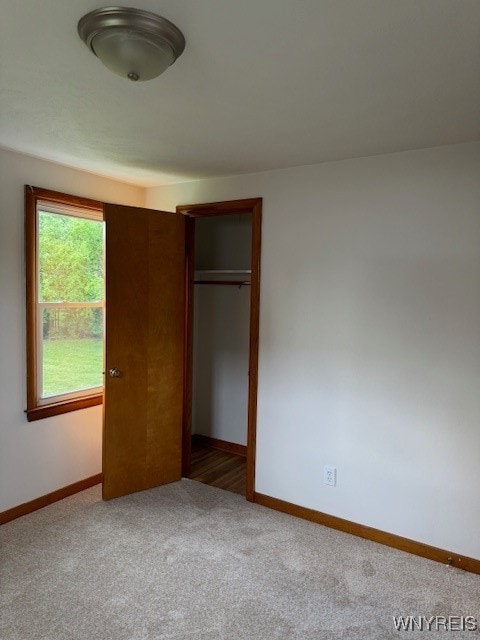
330,476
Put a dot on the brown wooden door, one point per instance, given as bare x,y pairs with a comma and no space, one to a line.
144,343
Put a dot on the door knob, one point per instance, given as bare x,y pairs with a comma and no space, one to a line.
114,373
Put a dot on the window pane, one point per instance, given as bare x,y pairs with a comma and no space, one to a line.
70,258
72,350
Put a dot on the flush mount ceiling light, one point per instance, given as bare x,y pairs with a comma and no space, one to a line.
134,44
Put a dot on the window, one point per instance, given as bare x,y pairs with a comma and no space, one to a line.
65,251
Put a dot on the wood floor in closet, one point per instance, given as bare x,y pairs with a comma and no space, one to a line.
219,468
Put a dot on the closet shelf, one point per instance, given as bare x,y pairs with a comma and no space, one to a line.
221,272
234,277
237,283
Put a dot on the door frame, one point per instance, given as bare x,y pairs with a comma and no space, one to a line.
192,211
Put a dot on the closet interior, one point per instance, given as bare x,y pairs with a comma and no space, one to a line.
221,335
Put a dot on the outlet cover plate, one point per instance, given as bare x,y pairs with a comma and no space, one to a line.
330,476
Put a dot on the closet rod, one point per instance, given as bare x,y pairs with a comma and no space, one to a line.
239,283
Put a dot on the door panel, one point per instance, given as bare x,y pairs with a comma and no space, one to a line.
145,312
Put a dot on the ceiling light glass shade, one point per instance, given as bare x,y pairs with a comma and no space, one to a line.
132,56
134,44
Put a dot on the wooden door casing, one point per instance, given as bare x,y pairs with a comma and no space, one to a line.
190,212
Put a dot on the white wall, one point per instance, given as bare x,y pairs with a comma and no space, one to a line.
39,457
370,337
223,242
220,362
221,331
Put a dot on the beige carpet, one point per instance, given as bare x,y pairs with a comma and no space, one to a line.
188,561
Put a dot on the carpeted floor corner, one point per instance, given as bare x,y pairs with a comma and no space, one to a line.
188,561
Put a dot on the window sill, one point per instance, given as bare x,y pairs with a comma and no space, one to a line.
57,408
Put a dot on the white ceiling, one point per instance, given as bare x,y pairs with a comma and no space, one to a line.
262,84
